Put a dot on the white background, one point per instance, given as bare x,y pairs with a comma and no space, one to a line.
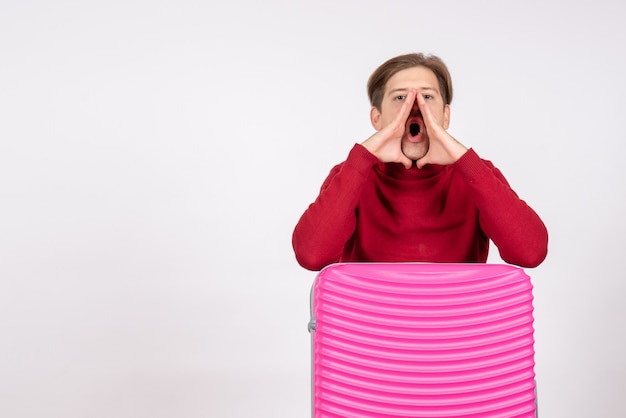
156,155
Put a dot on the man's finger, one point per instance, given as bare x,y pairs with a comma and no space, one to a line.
422,162
427,116
406,162
404,113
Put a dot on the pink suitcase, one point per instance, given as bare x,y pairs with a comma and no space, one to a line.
422,340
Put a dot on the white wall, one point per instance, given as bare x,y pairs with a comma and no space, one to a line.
155,156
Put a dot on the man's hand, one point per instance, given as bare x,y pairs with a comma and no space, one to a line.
386,144
443,148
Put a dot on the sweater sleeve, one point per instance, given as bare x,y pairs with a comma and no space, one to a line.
326,226
515,228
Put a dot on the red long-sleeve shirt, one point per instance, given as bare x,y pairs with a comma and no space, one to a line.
382,212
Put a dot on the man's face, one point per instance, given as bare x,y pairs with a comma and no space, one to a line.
415,141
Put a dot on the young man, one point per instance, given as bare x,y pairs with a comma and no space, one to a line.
411,192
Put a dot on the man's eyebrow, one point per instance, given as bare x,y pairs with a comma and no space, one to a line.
403,89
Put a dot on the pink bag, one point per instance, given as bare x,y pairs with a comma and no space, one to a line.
422,340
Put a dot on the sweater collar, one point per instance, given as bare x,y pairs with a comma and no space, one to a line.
397,171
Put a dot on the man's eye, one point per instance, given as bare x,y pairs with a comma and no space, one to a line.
427,96
401,97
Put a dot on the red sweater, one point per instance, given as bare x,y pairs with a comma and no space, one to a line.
373,211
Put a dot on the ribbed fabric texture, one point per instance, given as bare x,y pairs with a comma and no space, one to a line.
423,340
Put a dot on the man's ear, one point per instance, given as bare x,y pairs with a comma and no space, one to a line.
446,116
376,118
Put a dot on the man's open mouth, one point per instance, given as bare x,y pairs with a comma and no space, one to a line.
414,129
